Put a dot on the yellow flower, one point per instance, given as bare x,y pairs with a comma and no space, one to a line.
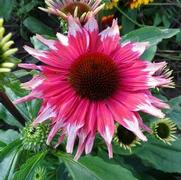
111,4
137,3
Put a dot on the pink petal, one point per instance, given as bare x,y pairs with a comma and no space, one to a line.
126,118
46,112
105,125
47,42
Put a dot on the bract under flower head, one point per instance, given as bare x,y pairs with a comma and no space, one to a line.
89,80
80,9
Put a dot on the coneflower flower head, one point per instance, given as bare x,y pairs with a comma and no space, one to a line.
34,138
40,173
80,9
125,138
7,62
87,82
165,130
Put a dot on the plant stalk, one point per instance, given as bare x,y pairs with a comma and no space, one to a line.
11,107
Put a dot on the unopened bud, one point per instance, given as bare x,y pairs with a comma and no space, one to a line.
4,70
5,39
2,31
1,22
7,45
10,52
8,65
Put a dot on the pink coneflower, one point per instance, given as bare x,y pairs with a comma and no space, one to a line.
89,80
76,8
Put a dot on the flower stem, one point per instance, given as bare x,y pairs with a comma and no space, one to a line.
11,107
129,18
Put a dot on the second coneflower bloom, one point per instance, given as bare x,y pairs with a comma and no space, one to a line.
80,9
89,80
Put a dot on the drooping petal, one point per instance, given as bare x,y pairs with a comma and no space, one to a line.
126,118
105,125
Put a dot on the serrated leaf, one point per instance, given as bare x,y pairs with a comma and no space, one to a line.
26,169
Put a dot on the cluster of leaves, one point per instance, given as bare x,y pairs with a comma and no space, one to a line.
148,161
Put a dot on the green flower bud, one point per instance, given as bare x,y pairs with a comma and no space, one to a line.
8,65
40,173
4,70
1,22
2,31
164,130
125,138
7,61
34,138
10,52
5,39
7,45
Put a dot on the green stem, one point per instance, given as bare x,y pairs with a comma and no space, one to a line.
164,4
177,58
11,107
124,14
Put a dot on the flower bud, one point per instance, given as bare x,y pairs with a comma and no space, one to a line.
164,130
7,61
125,138
34,138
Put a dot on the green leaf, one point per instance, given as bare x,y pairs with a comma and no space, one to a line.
8,118
36,26
7,149
153,35
28,109
149,53
126,24
175,110
26,169
163,157
7,166
6,7
95,168
8,158
157,19
8,136
37,44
